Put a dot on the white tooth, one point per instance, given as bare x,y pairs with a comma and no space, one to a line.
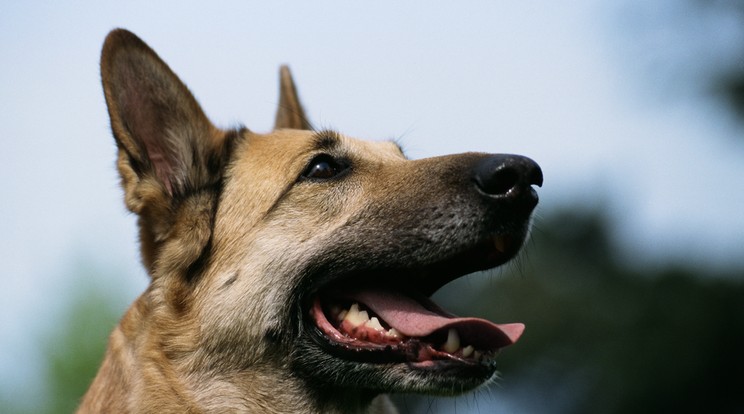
342,315
467,351
356,317
392,333
453,342
477,355
353,316
374,323
363,316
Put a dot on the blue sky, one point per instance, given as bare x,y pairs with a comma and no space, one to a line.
581,87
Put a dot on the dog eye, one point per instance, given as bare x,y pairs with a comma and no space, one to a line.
323,167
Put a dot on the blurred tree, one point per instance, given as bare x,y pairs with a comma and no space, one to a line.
730,87
72,350
75,348
604,338
689,46
726,79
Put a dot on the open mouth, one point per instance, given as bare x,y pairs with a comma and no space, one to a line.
388,316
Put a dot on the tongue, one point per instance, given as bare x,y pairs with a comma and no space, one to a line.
409,317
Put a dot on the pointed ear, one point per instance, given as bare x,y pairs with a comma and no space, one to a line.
290,113
171,158
163,136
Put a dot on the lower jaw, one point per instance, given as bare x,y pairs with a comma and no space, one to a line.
412,354
343,369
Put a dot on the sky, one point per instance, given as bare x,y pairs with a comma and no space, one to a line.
584,88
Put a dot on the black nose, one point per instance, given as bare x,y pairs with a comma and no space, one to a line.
509,177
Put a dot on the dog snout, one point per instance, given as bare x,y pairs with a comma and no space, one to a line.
509,177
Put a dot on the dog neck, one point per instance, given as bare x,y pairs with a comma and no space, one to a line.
140,362
265,389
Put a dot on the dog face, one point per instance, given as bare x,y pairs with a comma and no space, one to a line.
306,251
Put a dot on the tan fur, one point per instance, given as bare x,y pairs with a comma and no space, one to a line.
227,232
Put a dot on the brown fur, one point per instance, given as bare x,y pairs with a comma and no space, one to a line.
233,240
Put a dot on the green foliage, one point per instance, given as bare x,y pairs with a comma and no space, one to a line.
72,349
75,348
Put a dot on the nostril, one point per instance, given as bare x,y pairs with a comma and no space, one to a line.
506,175
499,182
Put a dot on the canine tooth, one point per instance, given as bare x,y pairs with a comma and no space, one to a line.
467,351
453,342
374,323
353,310
477,355
342,315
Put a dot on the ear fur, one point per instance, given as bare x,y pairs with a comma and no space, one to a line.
170,154
289,114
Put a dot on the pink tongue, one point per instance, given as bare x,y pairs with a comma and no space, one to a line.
410,318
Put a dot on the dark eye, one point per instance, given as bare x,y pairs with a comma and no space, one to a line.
323,167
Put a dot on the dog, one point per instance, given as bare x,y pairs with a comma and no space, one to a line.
291,271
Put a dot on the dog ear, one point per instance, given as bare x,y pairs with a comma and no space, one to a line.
171,157
163,135
289,114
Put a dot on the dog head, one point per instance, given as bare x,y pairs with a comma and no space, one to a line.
308,251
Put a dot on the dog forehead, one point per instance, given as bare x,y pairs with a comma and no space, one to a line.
277,146
289,149
377,150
